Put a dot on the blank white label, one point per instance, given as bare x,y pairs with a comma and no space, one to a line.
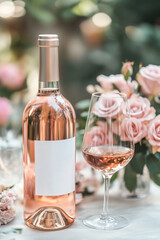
54,167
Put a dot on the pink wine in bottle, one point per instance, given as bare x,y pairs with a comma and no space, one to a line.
49,129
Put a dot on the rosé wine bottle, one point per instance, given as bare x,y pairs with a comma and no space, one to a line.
49,129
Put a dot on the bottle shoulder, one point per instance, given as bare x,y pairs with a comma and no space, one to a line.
56,105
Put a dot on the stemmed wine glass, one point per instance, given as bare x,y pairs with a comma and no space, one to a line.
108,147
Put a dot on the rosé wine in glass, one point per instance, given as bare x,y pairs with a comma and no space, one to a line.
106,150
108,159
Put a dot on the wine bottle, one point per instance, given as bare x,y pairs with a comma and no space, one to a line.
49,129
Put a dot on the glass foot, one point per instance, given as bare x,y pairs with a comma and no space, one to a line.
108,223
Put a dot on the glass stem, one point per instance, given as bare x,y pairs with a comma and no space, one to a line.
104,214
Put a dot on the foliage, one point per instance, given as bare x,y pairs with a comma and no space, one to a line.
12,230
153,163
51,11
134,34
155,178
143,150
82,105
130,178
138,162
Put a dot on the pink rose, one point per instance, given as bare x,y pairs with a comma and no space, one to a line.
11,76
140,108
122,85
97,136
105,82
80,166
133,129
10,193
5,111
107,107
132,84
7,215
154,134
6,203
127,69
90,88
149,79
7,206
118,80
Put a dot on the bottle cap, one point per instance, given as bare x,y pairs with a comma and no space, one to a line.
48,40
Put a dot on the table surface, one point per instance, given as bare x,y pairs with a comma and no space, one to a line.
143,216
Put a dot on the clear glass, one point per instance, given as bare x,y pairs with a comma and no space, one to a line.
48,117
142,186
108,147
10,158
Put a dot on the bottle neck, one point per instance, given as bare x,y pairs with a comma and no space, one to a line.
48,68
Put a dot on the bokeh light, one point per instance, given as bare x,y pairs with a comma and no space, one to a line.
10,9
101,20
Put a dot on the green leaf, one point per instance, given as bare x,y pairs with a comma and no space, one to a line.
157,154
79,139
130,178
114,177
6,188
141,147
84,115
12,230
41,14
156,105
66,4
67,14
137,163
81,123
85,8
155,178
153,163
84,104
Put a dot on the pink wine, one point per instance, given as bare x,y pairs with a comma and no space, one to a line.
49,129
108,159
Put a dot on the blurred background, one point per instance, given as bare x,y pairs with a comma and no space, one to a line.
96,36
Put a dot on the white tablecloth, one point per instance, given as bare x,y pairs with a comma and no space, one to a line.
143,216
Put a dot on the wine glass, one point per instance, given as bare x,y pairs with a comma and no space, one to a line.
107,146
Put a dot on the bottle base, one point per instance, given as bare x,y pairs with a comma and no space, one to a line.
49,219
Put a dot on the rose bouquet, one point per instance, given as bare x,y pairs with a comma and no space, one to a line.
7,204
87,180
143,99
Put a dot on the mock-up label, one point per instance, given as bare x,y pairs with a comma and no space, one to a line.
54,167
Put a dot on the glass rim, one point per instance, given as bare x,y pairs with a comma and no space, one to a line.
116,94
